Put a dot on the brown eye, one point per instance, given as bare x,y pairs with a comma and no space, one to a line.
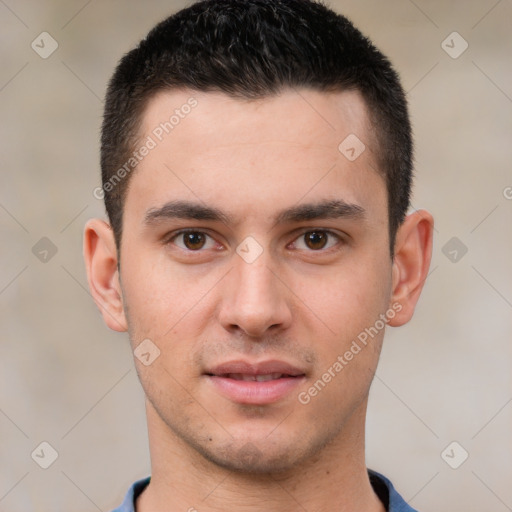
193,240
316,239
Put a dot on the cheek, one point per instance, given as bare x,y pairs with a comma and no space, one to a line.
148,296
349,297
166,303
349,304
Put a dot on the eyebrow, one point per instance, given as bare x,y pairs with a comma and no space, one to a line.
332,209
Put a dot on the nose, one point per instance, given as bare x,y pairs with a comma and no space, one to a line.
254,299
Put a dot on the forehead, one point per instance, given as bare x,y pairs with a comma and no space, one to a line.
266,152
293,115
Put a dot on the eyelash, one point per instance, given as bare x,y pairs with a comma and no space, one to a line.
331,234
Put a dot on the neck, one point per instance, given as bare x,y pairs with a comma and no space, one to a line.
182,479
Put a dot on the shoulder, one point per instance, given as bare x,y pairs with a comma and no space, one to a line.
136,488
388,494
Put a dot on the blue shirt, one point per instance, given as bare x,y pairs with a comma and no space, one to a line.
381,485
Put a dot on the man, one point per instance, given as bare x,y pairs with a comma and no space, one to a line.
256,163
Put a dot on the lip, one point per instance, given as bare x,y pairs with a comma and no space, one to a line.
225,379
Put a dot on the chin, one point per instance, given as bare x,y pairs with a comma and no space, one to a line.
255,459
250,460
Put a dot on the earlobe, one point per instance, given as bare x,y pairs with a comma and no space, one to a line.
100,255
413,251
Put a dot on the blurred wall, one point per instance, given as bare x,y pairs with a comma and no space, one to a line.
66,380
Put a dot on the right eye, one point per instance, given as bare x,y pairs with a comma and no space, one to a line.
190,240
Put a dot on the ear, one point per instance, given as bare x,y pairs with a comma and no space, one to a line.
100,255
413,251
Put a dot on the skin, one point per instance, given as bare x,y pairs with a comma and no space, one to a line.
296,302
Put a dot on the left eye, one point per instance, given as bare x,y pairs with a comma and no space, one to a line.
316,240
193,240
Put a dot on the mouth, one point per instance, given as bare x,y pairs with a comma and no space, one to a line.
255,383
256,378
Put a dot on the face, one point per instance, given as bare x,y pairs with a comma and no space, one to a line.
254,255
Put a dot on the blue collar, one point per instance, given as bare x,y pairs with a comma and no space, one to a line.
381,485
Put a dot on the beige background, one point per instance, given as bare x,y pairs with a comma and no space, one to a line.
67,380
